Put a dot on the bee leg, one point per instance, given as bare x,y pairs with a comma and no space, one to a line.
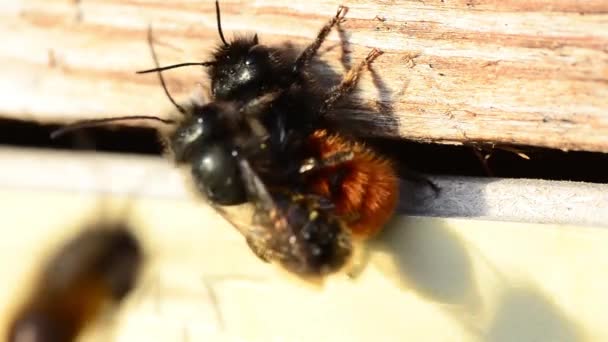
359,261
315,164
351,217
349,82
318,202
260,104
420,178
322,202
308,53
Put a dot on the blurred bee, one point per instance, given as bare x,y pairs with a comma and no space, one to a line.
265,133
96,268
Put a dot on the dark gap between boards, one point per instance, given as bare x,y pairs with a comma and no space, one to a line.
426,158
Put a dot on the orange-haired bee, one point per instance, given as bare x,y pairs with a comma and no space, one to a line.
362,184
98,267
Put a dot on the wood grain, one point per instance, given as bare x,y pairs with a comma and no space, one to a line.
504,72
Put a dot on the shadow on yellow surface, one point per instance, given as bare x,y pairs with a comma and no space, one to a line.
426,280
435,262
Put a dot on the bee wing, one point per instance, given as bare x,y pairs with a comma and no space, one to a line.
265,226
255,188
271,227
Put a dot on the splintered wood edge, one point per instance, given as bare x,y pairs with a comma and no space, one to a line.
503,72
522,200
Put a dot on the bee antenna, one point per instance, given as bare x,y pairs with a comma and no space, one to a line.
101,122
160,75
219,22
174,66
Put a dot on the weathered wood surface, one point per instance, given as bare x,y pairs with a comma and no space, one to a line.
507,72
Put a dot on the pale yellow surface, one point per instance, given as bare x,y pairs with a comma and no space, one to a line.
427,280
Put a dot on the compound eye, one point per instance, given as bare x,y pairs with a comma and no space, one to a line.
208,123
203,126
251,60
256,54
216,174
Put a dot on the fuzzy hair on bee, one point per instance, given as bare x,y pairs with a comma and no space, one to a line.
259,128
244,71
97,268
363,187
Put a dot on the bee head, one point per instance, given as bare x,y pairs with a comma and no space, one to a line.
200,140
240,69
201,125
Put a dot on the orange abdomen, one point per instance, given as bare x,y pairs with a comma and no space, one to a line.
365,190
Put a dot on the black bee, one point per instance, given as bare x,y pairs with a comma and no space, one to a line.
241,71
248,144
98,267
299,231
296,230
244,69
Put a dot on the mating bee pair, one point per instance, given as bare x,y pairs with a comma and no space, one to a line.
265,139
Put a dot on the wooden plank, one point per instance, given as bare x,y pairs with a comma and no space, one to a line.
498,199
504,72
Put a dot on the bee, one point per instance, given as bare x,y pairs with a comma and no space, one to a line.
364,187
361,183
98,267
298,231
241,71
263,140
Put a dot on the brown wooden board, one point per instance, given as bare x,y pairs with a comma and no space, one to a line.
504,72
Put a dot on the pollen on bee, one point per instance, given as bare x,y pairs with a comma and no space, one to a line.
313,215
